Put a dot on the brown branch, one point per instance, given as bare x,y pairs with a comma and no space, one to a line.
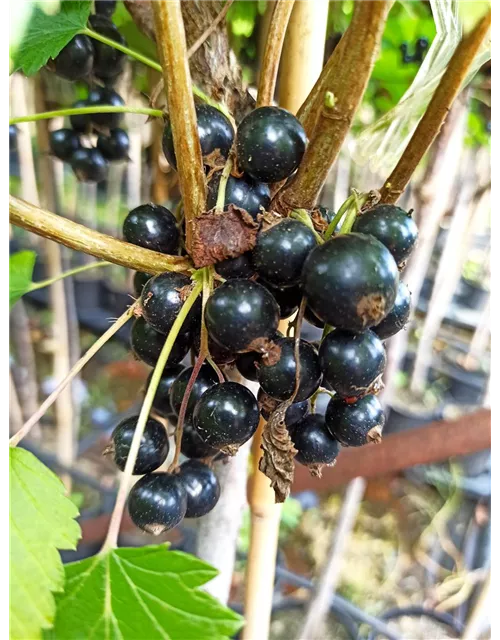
346,83
76,236
172,51
210,29
435,115
272,53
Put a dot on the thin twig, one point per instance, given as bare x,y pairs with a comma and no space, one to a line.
210,29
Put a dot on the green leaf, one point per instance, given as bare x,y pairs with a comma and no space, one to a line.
147,592
41,522
46,35
21,266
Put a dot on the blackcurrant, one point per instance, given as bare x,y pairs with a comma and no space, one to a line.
157,502
153,450
312,318
351,362
105,7
115,146
108,61
314,443
243,192
146,344
193,446
293,414
202,488
350,281
288,299
214,130
153,227
392,226
240,267
161,402
246,363
102,96
162,299
76,59
398,316
82,121
140,280
357,423
206,378
280,252
89,165
63,143
218,354
240,314
226,415
278,380
270,143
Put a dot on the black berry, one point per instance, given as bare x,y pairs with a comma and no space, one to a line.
153,450
246,363
243,192
270,143
161,402
108,61
102,96
115,146
157,502
293,414
193,446
82,121
206,378
398,316
105,7
312,318
146,344
140,280
75,60
218,354
288,299
153,227
63,143
89,165
313,442
240,267
355,424
202,488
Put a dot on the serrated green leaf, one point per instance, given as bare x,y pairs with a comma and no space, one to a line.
41,522
21,266
46,35
147,592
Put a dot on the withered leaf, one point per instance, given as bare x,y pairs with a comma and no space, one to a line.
319,222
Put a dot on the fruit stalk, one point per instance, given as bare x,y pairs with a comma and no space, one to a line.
437,111
172,51
78,237
60,113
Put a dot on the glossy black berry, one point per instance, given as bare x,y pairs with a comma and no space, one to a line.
288,299
351,281
114,147
105,7
314,443
63,143
312,318
243,192
214,129
162,299
153,227
202,488
161,401
89,165
355,424
278,380
153,450
103,96
392,226
240,314
206,378
157,502
293,414
351,362
82,121
75,60
139,281
146,344
246,363
226,415
398,316
218,354
270,143
240,267
280,252
192,445
108,61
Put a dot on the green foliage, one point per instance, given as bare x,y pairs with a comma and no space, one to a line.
149,592
242,19
136,40
41,522
21,266
46,35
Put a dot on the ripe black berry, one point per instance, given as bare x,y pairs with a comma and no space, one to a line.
293,414
146,344
398,316
202,488
161,402
89,165
278,380
270,144
246,363
105,7
63,143
206,378
355,424
226,415
102,96
351,362
157,502
75,60
218,354
240,313
392,226
242,192
153,227
350,281
280,252
162,299
240,267
192,445
115,146
140,280
82,121
313,442
214,129
108,61
288,299
153,450
312,318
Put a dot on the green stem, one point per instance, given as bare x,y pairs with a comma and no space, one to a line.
358,200
116,517
45,115
326,330
302,216
338,217
221,193
66,274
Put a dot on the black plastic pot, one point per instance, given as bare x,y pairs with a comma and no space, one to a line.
471,295
403,419
114,300
464,386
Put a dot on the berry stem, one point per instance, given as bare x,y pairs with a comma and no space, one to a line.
221,193
59,113
338,217
67,274
75,370
302,216
116,45
116,517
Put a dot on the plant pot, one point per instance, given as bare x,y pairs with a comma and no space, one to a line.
402,419
87,293
471,295
465,386
115,300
